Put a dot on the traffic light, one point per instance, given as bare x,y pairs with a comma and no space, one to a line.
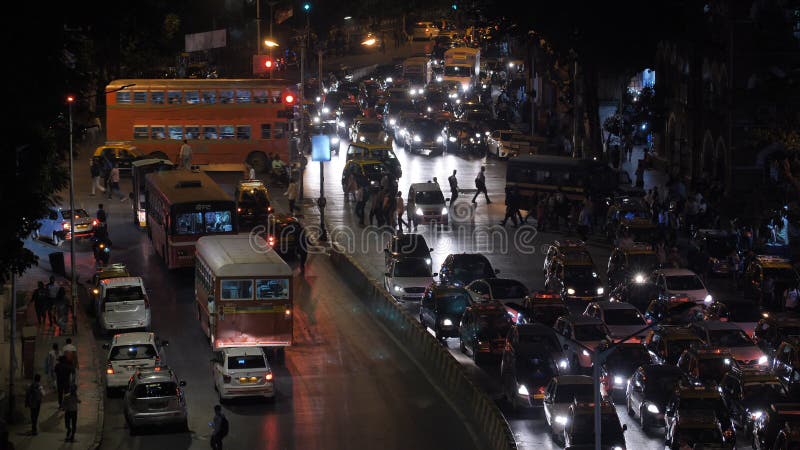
263,64
306,7
268,64
454,6
289,98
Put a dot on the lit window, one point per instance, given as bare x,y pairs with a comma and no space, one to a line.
192,132
176,132
139,97
242,96
210,132
226,96
192,97
260,96
209,97
278,131
123,97
175,97
227,132
157,98
236,289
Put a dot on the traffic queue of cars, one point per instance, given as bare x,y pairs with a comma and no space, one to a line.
672,357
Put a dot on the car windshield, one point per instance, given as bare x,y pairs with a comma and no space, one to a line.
426,127
324,128
135,351
456,71
452,304
254,197
583,424
684,283
370,127
675,347
79,214
695,435
579,274
429,198
713,403
503,289
643,261
537,366
548,314
494,325
246,362
124,294
411,268
712,369
661,386
567,393
373,170
729,338
628,357
763,393
534,342
623,317
413,245
590,332
149,390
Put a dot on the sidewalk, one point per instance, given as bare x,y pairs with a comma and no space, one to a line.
52,430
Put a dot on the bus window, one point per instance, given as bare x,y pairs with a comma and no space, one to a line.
236,289
175,132
210,132
242,96
243,132
218,222
227,132
226,96
260,96
266,131
140,132
123,97
272,289
209,97
192,132
277,131
192,97
139,97
189,223
157,132
157,97
174,97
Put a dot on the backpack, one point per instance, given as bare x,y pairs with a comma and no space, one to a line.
224,426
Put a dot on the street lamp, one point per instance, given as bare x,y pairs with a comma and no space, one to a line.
369,42
270,44
74,287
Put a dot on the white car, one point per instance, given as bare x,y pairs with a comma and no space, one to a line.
424,30
621,319
407,278
122,304
730,336
128,352
242,372
585,330
368,131
57,223
430,206
505,143
682,282
562,392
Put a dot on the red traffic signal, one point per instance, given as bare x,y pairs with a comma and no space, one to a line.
289,98
268,63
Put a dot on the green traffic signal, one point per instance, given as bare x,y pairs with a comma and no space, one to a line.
307,6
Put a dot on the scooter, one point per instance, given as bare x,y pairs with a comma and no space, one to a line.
102,252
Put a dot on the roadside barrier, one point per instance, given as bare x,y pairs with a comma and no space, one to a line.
449,375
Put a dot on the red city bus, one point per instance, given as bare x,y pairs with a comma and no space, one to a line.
244,293
182,206
224,120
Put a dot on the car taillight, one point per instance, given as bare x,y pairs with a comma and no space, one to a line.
287,313
238,210
268,376
65,226
541,390
109,369
94,222
157,368
271,241
226,378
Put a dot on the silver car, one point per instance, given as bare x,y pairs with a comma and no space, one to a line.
155,397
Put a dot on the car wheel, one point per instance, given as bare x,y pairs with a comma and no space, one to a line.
643,419
56,240
462,347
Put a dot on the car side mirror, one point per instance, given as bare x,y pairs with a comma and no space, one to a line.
183,384
624,427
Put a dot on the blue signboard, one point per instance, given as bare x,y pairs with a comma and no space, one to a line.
320,147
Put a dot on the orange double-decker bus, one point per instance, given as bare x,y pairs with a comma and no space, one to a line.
183,206
224,120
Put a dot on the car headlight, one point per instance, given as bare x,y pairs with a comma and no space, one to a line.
727,361
763,359
458,101
326,110
388,79
708,299
392,121
451,95
361,138
318,98
447,323
451,139
563,364
439,139
618,448
755,415
472,140
585,353
428,261
418,211
417,138
600,291
477,135
316,119
639,278
438,78
561,420
335,139
652,409
618,380
444,210
483,86
522,390
570,291
398,288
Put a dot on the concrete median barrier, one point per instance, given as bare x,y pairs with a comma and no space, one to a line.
447,373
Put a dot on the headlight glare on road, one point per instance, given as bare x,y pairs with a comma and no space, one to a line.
561,420
418,211
652,409
522,390
570,291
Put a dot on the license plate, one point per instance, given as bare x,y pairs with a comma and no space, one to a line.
160,405
246,381
538,396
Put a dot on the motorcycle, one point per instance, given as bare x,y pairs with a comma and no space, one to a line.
101,248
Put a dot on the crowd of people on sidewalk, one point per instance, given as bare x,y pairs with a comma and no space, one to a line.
51,305
61,370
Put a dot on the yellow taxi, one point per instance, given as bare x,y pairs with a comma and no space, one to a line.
631,264
375,152
122,153
761,267
253,203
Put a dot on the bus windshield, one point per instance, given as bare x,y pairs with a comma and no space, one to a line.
203,222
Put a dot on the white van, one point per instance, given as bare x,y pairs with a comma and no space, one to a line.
428,203
424,30
122,304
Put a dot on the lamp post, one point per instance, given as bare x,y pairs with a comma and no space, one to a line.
74,285
323,235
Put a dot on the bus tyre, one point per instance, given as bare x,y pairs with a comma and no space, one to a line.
258,161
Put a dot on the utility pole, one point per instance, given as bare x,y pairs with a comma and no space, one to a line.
73,278
12,363
323,236
258,28
271,37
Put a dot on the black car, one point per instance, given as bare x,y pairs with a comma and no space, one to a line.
773,422
576,282
461,269
700,398
503,290
649,389
749,393
637,294
621,364
773,329
283,233
530,359
483,331
696,429
660,310
442,308
462,137
253,203
407,244
424,136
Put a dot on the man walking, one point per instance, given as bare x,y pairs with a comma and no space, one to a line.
70,352
480,184
50,366
40,303
70,403
33,400
94,168
114,181
291,195
52,293
64,378
219,426
185,155
453,188
360,202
